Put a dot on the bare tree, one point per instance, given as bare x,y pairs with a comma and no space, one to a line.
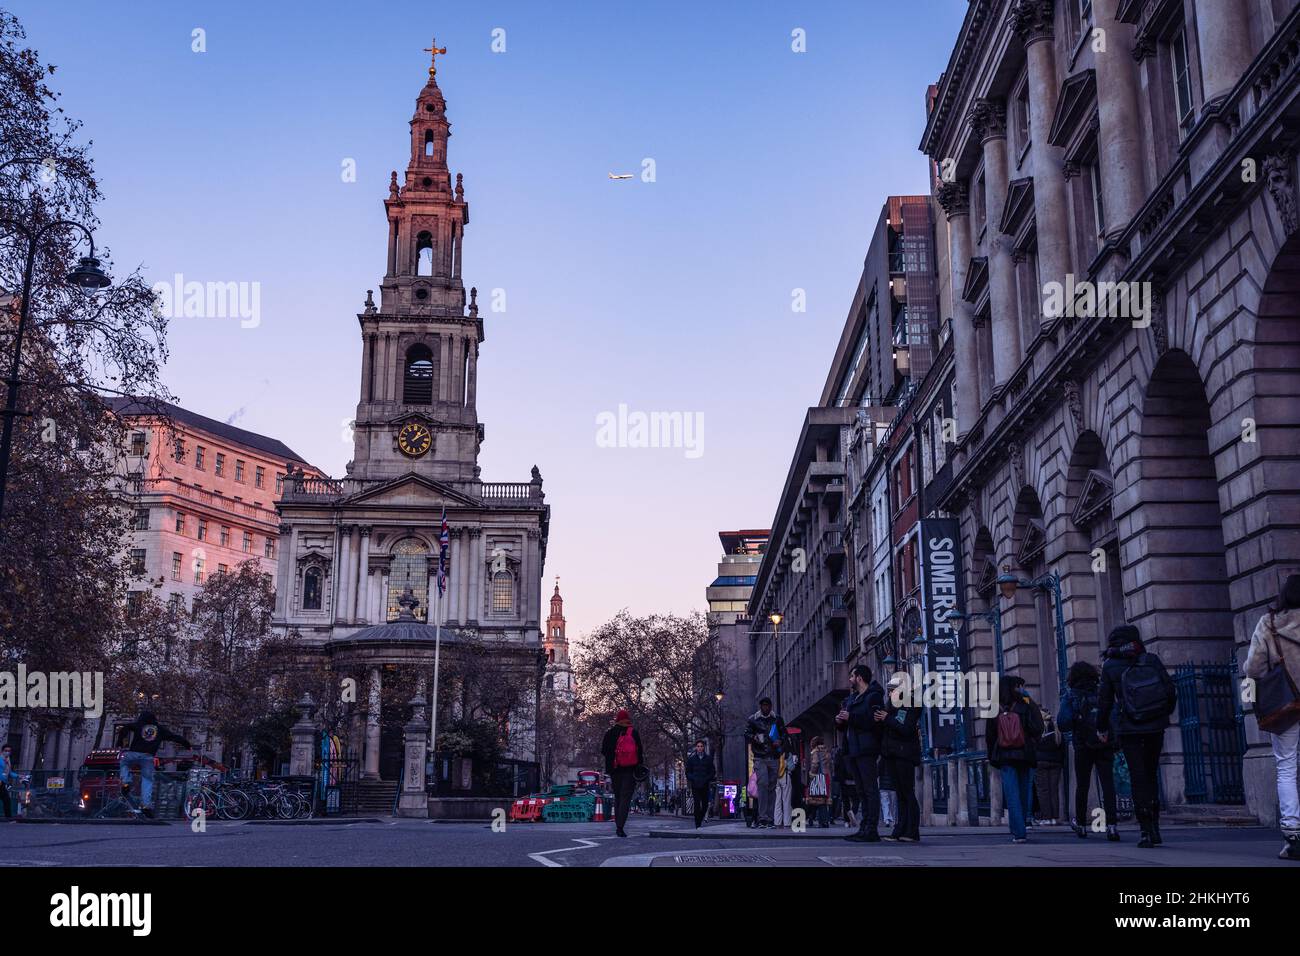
663,669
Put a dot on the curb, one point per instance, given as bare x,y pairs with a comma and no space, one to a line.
310,822
109,822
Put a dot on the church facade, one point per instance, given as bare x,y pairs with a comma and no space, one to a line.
358,556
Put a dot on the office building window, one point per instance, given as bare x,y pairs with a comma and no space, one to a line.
137,443
225,536
137,560
203,529
269,547
259,476
141,519
176,565
219,467
180,523
248,542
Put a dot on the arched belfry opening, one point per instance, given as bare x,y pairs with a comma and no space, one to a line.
417,383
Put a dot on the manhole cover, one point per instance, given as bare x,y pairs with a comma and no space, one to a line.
717,858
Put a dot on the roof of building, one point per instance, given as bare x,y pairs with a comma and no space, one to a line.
129,406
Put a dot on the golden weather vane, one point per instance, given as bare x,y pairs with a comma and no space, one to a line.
434,50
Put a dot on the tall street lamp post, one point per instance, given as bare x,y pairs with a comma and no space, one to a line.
87,276
776,656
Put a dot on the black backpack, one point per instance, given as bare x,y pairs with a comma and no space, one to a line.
1087,712
1143,695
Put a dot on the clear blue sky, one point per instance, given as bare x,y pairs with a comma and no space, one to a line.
666,296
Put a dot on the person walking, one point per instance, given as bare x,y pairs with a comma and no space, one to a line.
700,774
766,733
819,782
1012,738
1079,717
146,736
900,750
861,715
1050,757
621,748
1136,698
1276,640
8,776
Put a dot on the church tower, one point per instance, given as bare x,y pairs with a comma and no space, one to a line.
558,672
417,410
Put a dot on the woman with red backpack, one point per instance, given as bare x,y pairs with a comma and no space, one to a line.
1137,696
623,756
1012,739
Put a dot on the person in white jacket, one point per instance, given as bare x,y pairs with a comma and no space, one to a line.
1277,638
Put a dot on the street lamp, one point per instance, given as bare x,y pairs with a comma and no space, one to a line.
1008,583
776,655
994,617
87,276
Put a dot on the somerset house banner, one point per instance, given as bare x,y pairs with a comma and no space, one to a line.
941,594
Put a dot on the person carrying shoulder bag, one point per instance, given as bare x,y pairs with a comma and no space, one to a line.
1273,663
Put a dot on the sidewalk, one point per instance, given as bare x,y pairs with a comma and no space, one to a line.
732,830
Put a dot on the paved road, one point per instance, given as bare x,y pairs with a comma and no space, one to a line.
389,842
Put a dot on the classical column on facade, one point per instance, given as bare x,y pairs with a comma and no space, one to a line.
1223,41
383,597
526,563
288,556
1119,134
472,385
381,373
371,771
1032,19
444,368
474,603
455,386
464,567
344,576
955,200
361,602
988,119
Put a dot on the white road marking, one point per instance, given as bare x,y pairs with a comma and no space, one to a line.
544,856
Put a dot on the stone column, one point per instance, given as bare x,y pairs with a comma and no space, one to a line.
414,801
524,590
444,369
472,385
383,598
455,387
361,602
288,554
465,568
1223,39
344,576
989,123
302,749
368,346
479,557
1119,136
1033,21
956,205
371,770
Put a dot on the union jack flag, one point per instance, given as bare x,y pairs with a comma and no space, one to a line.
444,540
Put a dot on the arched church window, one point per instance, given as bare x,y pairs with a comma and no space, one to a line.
417,388
503,593
311,590
409,569
428,142
424,254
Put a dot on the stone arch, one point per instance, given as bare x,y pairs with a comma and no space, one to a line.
1172,543
1027,617
1090,566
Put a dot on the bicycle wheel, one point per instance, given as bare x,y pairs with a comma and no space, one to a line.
233,804
201,799
283,805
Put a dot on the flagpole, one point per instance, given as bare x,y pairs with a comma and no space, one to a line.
437,653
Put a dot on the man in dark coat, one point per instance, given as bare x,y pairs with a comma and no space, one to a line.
861,715
766,734
700,772
1136,698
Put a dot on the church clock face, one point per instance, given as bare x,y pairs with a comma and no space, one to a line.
414,440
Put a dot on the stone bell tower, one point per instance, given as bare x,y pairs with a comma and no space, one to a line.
417,410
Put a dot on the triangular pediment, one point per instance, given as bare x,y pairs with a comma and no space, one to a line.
1075,101
977,277
1094,497
1019,205
988,577
412,489
315,554
1031,546
405,417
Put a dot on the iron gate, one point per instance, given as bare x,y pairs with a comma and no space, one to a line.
337,774
1214,740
